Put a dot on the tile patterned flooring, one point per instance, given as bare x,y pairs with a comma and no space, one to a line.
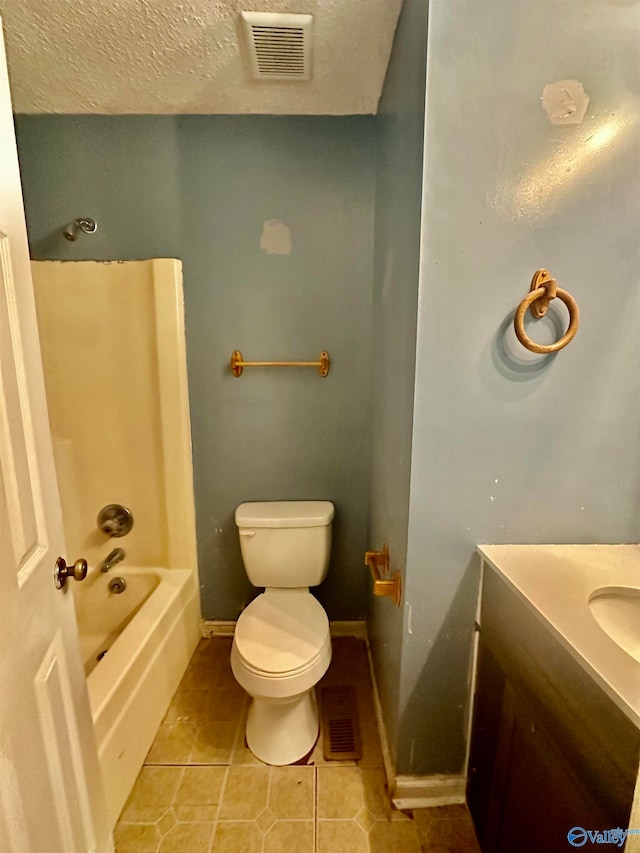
202,791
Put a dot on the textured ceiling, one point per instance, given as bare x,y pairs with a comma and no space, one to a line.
182,56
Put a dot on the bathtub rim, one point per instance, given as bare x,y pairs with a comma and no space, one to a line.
131,708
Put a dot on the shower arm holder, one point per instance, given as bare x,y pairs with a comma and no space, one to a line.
83,223
542,290
378,562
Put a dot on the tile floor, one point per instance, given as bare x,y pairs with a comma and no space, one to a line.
202,791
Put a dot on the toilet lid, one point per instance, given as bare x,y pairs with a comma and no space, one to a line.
282,631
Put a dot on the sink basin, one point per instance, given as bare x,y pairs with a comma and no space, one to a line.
616,609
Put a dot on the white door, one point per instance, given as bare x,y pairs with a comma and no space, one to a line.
51,797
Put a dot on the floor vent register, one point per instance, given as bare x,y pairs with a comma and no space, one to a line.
340,728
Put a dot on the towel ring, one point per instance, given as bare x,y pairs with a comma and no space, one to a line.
543,289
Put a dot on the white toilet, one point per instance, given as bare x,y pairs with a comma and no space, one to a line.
282,646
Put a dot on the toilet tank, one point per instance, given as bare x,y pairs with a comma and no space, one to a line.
285,544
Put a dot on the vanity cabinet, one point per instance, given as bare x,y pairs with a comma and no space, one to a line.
550,750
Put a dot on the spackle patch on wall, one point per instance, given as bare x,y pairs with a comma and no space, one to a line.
565,101
276,238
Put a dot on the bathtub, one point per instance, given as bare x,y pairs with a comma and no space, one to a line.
103,615
144,639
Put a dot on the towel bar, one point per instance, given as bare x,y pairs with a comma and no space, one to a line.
238,364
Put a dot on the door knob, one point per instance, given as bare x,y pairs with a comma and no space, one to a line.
78,571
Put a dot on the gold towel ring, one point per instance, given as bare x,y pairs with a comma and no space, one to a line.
543,289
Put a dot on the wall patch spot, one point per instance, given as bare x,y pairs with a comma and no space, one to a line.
276,238
565,101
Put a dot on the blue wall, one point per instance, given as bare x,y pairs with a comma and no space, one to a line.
400,125
200,188
508,446
473,440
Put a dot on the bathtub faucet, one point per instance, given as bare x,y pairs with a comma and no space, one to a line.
116,556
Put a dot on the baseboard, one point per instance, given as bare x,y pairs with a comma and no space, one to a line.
422,792
216,628
356,629
221,628
413,792
389,769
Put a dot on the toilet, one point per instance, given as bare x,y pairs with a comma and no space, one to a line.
282,646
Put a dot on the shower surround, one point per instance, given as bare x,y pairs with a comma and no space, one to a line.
113,351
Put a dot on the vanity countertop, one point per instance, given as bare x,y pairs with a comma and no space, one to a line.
555,582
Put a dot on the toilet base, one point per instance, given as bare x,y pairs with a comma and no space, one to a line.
282,731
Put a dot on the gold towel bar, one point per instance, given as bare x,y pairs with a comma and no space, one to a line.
238,365
378,562
542,290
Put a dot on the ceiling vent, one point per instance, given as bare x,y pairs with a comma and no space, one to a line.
279,45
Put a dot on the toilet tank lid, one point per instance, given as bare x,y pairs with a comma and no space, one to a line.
285,514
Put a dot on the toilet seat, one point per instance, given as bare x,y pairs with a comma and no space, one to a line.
282,633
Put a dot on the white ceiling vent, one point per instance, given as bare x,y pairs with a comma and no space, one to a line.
279,45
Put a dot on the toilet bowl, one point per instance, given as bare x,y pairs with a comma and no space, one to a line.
281,649
282,644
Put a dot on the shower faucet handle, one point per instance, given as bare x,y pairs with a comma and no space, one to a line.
115,520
